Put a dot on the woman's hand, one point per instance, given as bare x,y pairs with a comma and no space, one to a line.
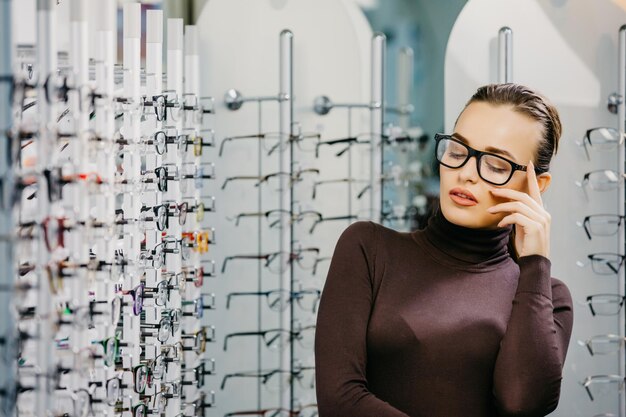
530,219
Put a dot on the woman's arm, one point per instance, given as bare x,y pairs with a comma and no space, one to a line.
528,370
340,337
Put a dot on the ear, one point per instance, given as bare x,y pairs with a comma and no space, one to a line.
543,180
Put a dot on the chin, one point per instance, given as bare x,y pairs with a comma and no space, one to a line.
470,216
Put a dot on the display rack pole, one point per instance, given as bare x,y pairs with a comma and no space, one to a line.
131,164
622,205
46,65
285,103
105,53
80,201
405,87
377,112
191,99
7,273
505,55
154,87
175,62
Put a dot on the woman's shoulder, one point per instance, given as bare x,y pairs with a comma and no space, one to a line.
371,230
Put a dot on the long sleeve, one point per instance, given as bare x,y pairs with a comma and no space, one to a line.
342,322
528,369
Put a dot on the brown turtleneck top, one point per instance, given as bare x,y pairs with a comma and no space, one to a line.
440,322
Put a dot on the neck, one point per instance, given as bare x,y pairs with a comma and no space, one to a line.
467,245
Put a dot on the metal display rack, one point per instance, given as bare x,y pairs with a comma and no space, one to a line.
110,238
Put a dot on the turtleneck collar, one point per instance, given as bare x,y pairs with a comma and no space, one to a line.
463,246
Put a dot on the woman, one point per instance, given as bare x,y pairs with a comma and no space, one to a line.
461,318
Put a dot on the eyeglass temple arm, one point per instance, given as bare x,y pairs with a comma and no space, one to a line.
265,178
228,336
237,374
228,258
230,138
323,219
237,294
251,177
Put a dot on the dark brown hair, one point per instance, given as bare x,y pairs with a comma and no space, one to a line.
534,105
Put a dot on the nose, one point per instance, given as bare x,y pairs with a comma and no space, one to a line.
469,171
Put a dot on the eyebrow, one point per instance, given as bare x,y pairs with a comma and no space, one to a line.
487,149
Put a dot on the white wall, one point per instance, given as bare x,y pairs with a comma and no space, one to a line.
566,49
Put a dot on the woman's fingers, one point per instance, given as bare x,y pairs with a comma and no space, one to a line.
518,207
518,195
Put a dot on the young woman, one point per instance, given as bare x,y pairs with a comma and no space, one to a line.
462,318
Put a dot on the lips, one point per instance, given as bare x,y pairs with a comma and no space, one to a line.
463,193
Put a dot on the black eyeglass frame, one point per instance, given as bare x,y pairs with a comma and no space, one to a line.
479,154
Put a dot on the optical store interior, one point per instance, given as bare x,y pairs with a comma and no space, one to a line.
175,176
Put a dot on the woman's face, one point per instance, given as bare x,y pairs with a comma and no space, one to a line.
495,129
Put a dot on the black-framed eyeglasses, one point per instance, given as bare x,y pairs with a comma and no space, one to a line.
360,139
278,338
603,344
602,381
492,168
272,141
316,184
601,138
274,217
199,372
601,180
266,412
272,378
605,304
140,377
293,177
278,262
604,263
278,300
157,214
601,224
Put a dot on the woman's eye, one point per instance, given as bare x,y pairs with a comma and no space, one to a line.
495,169
457,155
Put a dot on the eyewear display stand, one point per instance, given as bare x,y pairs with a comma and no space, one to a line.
233,100
603,383
47,64
107,314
